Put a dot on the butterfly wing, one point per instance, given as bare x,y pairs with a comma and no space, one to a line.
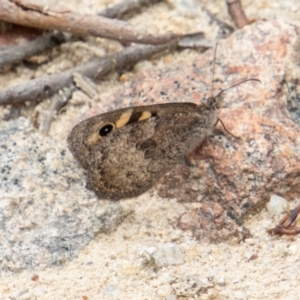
126,151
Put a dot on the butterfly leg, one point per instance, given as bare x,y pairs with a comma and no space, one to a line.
225,129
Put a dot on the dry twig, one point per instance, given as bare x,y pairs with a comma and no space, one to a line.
58,101
65,20
287,224
46,86
125,7
237,13
17,53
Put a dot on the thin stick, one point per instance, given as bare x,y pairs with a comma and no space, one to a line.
46,86
83,24
119,10
237,13
58,101
287,223
17,53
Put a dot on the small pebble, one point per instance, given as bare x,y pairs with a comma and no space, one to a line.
168,254
277,205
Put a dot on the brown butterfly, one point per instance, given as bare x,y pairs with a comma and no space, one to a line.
124,152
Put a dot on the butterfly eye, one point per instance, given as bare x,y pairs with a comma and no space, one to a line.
106,129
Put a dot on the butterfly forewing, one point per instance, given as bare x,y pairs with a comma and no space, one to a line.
126,151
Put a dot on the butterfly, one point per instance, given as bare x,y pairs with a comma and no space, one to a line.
125,151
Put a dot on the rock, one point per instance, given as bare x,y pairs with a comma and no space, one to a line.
233,177
191,285
168,254
43,221
47,214
277,205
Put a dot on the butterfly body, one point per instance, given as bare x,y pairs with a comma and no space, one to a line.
124,152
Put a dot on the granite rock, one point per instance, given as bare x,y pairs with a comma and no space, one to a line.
46,214
232,177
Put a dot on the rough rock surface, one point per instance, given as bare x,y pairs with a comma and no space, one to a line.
46,200
45,216
47,206
233,177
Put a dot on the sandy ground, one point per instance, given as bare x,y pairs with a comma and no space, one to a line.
122,264
117,266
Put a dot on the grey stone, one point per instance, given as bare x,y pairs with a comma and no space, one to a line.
43,221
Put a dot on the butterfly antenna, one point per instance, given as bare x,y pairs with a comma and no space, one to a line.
220,93
213,72
251,79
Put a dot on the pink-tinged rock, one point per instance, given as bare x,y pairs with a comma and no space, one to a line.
243,173
232,177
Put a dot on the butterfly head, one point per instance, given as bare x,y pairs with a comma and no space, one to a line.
214,103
